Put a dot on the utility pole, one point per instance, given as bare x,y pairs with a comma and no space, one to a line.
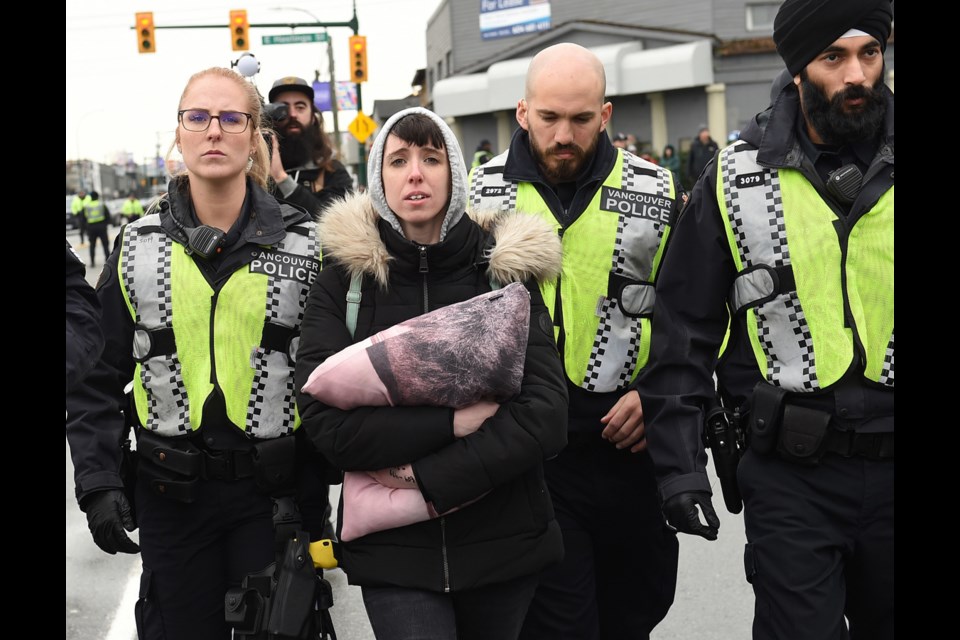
362,148
334,107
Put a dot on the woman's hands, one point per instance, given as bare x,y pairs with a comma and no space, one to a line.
469,418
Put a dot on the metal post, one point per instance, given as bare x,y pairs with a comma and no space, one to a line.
334,109
361,148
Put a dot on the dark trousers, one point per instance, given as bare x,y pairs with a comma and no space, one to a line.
493,612
192,553
619,572
819,547
82,224
96,232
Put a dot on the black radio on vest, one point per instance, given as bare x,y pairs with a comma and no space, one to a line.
203,241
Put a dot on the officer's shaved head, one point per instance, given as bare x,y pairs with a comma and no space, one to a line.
568,60
563,109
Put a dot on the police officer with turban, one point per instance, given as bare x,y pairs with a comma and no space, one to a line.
788,235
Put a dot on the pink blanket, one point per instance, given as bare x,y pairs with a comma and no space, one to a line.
452,357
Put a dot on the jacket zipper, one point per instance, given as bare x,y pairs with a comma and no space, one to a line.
443,550
424,269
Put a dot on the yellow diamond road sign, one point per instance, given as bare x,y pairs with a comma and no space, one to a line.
362,126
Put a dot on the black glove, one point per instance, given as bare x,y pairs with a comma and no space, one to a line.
108,514
681,512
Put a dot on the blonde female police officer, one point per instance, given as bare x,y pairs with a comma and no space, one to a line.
202,302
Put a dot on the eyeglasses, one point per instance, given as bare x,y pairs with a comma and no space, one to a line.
199,120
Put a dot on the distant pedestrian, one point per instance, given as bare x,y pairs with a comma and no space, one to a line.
98,221
132,209
483,154
701,152
670,160
76,207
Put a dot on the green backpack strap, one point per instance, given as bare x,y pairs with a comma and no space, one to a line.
354,296
353,302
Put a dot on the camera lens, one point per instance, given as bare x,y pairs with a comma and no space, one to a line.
276,112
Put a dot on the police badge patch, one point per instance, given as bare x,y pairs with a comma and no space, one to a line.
287,266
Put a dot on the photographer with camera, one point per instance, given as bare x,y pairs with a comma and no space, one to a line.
304,171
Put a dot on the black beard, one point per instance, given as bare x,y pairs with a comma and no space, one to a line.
300,148
837,126
566,170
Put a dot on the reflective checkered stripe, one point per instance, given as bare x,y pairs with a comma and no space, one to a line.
488,190
272,409
160,393
886,373
800,337
256,379
754,215
614,238
636,253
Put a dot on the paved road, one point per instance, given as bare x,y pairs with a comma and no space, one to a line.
713,600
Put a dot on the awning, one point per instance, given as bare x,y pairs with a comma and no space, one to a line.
630,70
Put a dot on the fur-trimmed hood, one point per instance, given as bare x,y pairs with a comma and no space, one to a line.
524,246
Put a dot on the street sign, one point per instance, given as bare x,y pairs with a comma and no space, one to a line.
294,38
362,126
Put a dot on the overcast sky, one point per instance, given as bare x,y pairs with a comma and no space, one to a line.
120,100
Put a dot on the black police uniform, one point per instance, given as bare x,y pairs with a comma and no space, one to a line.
820,538
84,338
619,571
192,551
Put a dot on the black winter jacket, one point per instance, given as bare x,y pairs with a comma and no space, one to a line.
511,531
84,337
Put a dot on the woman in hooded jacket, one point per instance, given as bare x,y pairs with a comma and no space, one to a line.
471,572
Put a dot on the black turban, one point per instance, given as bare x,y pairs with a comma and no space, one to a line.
804,28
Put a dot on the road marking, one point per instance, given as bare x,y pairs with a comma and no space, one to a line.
124,625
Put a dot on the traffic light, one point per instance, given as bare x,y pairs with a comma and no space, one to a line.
239,26
145,41
358,58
